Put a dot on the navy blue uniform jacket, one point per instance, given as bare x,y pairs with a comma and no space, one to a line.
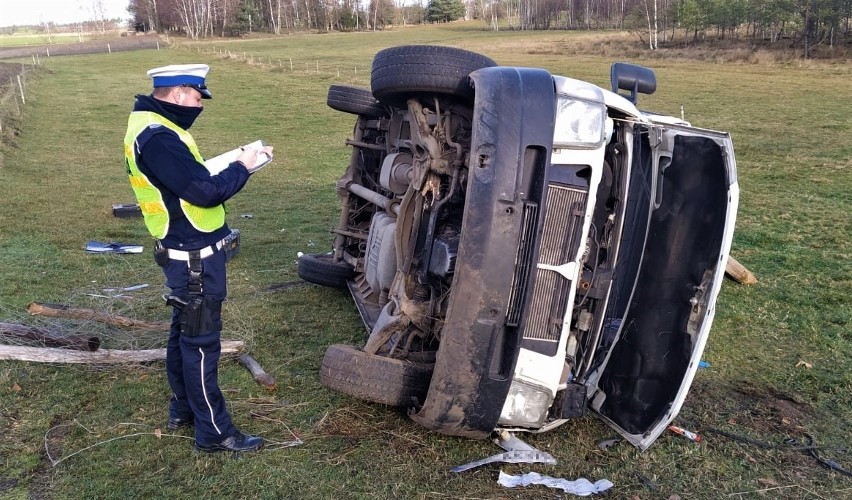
170,166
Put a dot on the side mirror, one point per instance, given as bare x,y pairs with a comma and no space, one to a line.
635,79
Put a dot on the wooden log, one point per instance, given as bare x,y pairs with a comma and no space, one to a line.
739,272
63,311
102,356
51,339
260,376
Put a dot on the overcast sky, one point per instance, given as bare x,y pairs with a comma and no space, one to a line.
19,12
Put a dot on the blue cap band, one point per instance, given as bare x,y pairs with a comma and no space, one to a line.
175,81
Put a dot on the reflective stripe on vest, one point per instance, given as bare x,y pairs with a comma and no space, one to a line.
149,197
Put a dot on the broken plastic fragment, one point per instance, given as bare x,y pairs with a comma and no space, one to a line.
510,442
580,487
127,288
99,247
517,452
511,457
608,443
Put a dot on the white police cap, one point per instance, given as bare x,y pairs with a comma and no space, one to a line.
186,75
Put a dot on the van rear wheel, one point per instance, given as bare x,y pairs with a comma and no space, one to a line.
322,269
355,100
402,72
389,381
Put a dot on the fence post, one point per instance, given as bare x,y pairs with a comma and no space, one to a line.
109,49
21,86
12,88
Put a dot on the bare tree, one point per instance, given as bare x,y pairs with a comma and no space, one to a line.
651,18
152,15
494,11
98,14
195,15
275,15
656,29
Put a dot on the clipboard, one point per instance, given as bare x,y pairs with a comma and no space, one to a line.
221,162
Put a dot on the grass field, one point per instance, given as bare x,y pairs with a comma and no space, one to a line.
780,354
40,39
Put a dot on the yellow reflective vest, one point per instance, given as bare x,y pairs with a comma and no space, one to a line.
205,219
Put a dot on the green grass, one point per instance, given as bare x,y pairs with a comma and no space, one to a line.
790,126
22,40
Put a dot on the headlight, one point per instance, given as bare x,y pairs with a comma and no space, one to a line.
526,405
579,123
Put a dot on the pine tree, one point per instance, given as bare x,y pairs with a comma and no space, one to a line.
443,11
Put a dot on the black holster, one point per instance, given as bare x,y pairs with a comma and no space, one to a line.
195,315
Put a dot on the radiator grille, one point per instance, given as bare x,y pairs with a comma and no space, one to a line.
523,263
560,237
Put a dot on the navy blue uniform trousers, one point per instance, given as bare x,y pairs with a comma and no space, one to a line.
192,361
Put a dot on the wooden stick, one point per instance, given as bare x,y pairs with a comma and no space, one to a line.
63,311
103,356
260,376
739,272
49,338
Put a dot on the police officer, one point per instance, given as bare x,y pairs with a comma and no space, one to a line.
182,204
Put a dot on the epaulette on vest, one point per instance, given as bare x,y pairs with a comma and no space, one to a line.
149,132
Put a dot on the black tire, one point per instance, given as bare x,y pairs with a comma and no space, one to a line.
388,381
322,269
355,100
400,72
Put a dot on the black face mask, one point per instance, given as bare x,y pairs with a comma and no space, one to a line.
183,116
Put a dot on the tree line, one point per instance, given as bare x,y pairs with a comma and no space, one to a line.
807,24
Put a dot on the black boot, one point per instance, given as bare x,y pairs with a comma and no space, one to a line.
176,423
237,442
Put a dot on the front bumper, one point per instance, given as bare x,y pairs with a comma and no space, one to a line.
481,337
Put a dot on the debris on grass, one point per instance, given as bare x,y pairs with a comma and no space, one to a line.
685,433
93,246
126,210
580,487
608,443
67,312
517,451
739,272
101,356
258,373
51,338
